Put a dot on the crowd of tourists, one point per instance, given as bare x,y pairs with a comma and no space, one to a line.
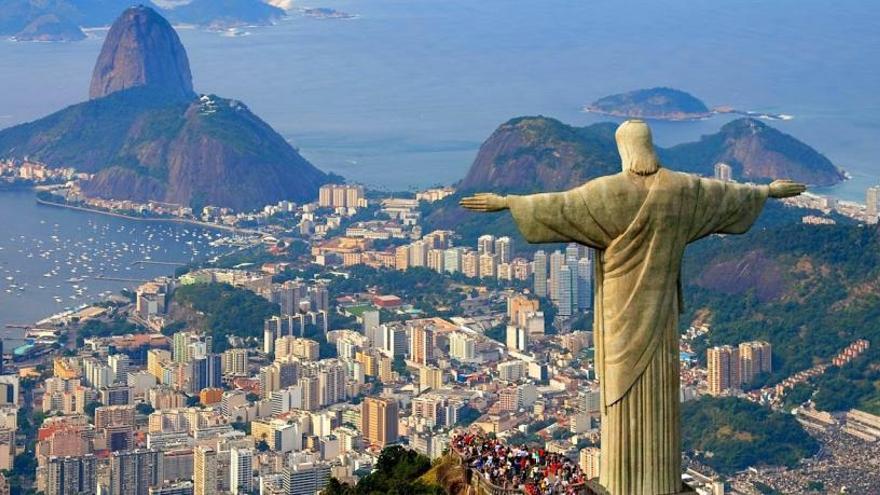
533,471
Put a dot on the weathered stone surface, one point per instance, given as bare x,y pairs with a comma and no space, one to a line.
142,49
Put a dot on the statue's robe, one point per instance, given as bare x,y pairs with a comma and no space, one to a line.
640,227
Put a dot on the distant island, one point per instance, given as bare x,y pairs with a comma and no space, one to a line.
665,104
654,103
65,20
327,13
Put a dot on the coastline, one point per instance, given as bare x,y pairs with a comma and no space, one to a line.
234,230
626,115
689,117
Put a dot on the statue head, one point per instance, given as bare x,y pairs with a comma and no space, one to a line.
636,148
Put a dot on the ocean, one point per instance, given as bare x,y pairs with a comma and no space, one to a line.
402,96
55,259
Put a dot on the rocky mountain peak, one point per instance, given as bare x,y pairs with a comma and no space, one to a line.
142,49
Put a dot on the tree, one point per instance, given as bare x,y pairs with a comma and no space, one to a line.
144,408
399,365
89,408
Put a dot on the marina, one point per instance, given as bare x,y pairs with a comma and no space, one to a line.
55,260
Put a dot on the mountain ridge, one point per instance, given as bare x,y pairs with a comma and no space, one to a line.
542,153
145,135
660,103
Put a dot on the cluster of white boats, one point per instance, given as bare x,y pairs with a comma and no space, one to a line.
105,254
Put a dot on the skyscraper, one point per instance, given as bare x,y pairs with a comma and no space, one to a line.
402,257
557,259
540,273
332,379
723,363
71,475
311,393
379,418
371,327
204,471
755,358
134,472
207,372
181,341
517,338
394,340
589,462
572,252
872,199
572,256
470,264
565,291
241,470
504,249
462,346
584,284
452,260
306,478
418,254
422,345
488,265
486,244
319,296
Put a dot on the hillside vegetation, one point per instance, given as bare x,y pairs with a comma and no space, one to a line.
397,472
227,310
731,434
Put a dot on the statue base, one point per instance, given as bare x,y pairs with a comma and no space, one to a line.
592,487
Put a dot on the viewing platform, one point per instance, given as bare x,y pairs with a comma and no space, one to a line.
483,486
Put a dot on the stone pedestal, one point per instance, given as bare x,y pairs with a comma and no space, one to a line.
594,488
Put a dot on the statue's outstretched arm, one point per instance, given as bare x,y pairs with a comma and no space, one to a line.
785,188
485,202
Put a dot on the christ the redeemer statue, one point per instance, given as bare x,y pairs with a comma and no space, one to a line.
639,221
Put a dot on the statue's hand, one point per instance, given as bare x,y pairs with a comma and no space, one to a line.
484,202
785,188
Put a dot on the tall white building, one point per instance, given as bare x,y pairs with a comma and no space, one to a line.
394,340
565,291
332,379
557,260
872,199
462,346
241,470
486,244
517,338
371,325
306,478
119,363
511,371
452,260
418,254
504,249
539,270
589,462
